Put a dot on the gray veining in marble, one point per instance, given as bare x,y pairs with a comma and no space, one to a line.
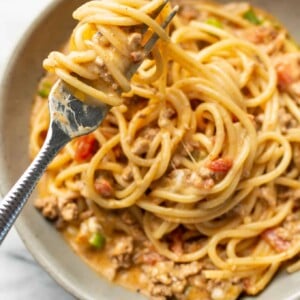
21,278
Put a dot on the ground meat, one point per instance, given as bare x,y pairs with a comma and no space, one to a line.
140,146
104,73
128,218
170,279
198,281
260,34
203,179
195,179
207,177
178,177
149,133
137,56
176,161
268,38
131,226
224,290
205,172
127,174
166,115
277,238
121,252
169,112
63,201
160,292
134,41
48,206
148,257
69,212
188,12
292,227
62,209
85,215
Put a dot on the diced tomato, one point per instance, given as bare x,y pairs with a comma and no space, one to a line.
288,71
234,118
103,187
275,241
220,165
247,283
284,77
86,147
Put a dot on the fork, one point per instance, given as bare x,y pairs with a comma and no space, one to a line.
69,118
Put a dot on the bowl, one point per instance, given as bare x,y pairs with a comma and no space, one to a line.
18,87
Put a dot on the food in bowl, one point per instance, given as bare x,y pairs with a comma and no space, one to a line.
189,188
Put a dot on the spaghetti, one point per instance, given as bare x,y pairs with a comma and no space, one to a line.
192,180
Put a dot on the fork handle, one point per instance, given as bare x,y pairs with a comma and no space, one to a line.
12,204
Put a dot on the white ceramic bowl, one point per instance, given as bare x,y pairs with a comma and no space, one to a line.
18,86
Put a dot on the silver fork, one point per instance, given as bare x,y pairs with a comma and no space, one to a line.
78,119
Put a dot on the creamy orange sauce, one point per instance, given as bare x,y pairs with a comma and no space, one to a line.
132,279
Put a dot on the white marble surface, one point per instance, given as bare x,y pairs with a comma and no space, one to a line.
21,278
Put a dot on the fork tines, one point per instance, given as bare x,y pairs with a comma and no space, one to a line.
155,14
154,37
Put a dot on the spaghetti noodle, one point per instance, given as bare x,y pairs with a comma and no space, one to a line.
192,180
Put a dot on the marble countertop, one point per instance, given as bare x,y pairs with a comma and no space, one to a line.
20,276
